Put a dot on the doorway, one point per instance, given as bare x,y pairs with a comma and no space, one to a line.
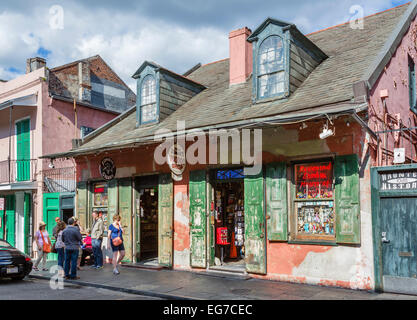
228,221
394,200
147,220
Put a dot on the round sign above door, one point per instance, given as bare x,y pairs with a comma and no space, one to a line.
107,169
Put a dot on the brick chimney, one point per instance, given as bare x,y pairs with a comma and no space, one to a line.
84,81
33,64
240,52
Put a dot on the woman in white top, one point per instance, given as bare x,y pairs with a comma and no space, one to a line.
41,236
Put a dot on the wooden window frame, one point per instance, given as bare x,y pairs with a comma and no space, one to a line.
307,238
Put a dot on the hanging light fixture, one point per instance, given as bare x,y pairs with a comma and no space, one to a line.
327,132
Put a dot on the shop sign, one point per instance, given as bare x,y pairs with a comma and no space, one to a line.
1,204
107,169
176,161
399,181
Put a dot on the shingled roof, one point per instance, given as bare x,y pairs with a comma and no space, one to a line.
328,89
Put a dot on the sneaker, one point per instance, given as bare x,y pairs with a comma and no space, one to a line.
93,267
35,268
45,269
116,272
99,267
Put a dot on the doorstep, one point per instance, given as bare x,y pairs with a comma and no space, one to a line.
142,266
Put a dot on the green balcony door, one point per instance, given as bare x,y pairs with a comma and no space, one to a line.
23,150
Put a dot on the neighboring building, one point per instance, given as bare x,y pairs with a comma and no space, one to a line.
325,103
46,111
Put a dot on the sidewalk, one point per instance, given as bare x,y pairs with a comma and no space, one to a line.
170,284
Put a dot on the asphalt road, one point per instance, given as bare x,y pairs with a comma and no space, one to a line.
34,289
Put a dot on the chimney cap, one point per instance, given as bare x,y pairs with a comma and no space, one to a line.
238,32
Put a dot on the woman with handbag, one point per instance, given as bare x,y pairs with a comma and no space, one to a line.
116,242
44,246
59,244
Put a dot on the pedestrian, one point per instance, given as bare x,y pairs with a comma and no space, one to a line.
59,244
87,248
71,237
54,230
43,243
97,238
80,252
116,242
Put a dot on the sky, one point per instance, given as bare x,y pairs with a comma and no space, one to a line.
176,34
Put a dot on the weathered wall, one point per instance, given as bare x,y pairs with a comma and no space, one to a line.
395,80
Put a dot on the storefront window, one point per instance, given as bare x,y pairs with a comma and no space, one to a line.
314,200
101,201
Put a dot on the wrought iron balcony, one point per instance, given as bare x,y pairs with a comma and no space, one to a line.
59,180
14,171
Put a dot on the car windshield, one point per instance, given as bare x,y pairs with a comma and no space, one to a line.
4,244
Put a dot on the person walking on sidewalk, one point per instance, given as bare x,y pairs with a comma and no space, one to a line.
116,242
71,237
43,243
55,229
59,244
97,232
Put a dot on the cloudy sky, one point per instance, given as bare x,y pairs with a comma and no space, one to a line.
174,33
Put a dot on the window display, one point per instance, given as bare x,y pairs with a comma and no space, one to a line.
314,205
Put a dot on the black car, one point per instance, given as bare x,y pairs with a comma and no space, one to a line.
13,263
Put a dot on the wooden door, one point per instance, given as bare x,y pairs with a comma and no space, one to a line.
23,150
50,212
198,219
125,212
11,219
255,244
165,220
399,245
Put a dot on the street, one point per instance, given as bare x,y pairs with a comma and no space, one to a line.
35,289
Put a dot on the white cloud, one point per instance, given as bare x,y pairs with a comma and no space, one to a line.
126,38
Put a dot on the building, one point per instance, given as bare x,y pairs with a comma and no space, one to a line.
333,106
46,111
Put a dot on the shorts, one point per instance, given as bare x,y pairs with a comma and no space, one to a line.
117,248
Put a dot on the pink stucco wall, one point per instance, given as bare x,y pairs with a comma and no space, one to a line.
395,80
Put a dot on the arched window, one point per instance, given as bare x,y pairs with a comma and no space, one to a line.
148,108
271,76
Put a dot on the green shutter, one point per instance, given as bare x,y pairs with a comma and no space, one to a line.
11,219
82,203
125,212
276,201
198,219
347,200
23,150
27,217
255,244
112,199
50,212
165,220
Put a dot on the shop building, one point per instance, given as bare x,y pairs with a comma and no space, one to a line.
321,101
45,111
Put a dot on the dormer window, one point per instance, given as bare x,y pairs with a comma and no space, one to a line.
148,107
271,69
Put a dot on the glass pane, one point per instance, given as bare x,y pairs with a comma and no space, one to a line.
271,55
314,181
148,113
315,218
271,84
100,195
148,92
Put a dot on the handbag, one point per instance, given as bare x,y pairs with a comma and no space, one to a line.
117,241
46,246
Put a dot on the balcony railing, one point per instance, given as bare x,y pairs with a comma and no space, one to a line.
13,171
59,180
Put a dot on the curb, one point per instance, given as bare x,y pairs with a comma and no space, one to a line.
126,290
